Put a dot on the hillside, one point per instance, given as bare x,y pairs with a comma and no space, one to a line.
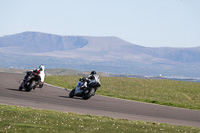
99,48
106,54
36,42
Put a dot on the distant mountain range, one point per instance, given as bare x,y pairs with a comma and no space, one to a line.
106,54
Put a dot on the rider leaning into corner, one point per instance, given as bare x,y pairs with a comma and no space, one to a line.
40,71
84,81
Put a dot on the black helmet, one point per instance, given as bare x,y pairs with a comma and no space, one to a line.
84,79
93,72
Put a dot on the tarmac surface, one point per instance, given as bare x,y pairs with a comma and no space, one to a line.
55,98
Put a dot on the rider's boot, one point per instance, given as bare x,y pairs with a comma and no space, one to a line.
41,84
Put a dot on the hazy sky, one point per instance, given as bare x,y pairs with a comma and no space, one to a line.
151,23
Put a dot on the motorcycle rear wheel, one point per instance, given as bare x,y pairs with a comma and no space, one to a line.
30,86
89,94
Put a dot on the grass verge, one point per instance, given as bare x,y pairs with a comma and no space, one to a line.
159,91
24,119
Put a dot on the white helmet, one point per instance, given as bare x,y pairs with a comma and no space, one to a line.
41,67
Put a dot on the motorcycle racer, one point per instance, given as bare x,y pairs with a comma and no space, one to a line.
84,81
93,76
37,72
40,72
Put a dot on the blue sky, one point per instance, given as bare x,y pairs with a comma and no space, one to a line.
151,23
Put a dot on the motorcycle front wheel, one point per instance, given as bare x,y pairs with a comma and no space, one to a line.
71,94
20,87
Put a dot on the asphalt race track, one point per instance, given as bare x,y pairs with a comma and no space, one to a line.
54,98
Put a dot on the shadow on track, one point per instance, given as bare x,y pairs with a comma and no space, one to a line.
12,89
78,98
64,96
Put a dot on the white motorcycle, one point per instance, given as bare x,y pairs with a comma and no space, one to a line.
87,88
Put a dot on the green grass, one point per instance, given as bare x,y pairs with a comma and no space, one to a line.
28,120
159,91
